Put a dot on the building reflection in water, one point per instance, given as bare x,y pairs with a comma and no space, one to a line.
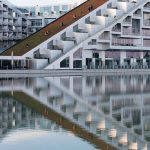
115,108
14,115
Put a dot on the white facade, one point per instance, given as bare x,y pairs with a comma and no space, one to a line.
40,16
114,35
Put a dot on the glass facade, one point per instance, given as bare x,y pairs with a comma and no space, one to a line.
49,20
57,10
46,11
36,22
32,11
65,7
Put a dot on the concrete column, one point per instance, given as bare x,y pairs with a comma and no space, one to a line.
141,55
122,57
102,56
71,61
93,63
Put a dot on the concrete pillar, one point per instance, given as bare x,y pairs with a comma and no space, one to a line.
102,56
71,61
141,55
71,84
93,63
122,57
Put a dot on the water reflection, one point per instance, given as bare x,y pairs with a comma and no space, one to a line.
22,128
114,108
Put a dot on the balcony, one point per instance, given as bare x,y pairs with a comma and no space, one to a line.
11,38
5,9
5,37
19,30
125,42
131,31
24,30
17,24
5,30
5,23
146,32
54,47
24,24
146,22
147,6
68,38
116,29
104,38
10,23
5,15
146,43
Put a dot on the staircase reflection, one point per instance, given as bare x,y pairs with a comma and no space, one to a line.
107,110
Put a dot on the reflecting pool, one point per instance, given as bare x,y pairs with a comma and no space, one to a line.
75,112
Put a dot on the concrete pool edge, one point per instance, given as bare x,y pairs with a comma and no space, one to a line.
74,72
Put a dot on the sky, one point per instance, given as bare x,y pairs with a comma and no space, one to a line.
39,2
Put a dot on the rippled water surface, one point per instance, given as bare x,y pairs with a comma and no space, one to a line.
109,107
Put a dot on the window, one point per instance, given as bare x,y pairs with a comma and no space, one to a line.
57,10
49,20
65,7
36,22
32,11
77,64
95,55
45,11
64,63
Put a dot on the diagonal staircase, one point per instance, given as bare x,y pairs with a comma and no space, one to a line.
53,28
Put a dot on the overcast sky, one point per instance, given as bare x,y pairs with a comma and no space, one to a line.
39,2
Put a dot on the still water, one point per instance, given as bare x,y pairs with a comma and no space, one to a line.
114,108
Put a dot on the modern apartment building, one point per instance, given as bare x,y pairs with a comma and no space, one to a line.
16,23
95,35
13,24
40,16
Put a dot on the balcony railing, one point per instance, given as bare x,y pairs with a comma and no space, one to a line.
5,9
10,23
116,29
81,31
5,22
5,15
124,42
146,22
137,15
104,37
147,6
5,37
54,47
146,43
146,32
127,21
6,30
68,38
130,31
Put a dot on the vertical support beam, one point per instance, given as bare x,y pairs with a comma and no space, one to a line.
71,61
122,57
102,56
